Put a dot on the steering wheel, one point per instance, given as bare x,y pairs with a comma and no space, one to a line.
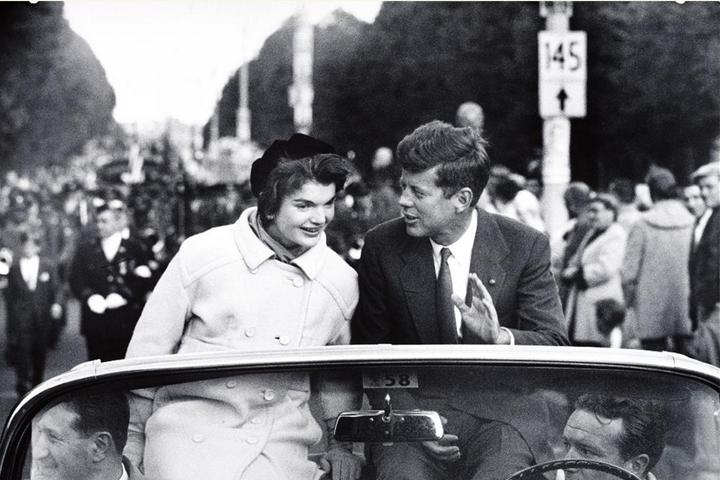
536,471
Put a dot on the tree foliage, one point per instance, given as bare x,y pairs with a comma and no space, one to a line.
653,81
54,95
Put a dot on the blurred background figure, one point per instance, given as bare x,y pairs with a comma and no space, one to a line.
654,273
624,191
693,200
33,298
470,114
705,252
111,278
593,272
564,245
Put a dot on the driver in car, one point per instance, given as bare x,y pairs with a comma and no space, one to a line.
624,432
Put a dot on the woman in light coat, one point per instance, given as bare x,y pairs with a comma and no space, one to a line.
656,280
266,282
593,274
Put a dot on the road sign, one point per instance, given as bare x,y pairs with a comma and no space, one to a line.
562,73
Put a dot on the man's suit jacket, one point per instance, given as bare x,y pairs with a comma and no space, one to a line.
29,311
397,284
92,273
705,271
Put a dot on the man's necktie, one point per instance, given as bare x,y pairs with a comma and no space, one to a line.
443,301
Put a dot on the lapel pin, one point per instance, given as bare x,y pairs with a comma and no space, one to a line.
491,281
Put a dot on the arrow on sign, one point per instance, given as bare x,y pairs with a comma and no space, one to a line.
562,96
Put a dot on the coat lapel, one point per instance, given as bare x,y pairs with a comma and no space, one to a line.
418,281
489,250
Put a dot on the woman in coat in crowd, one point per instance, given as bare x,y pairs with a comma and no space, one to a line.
655,275
268,281
593,273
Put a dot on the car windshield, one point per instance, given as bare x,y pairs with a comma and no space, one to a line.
261,423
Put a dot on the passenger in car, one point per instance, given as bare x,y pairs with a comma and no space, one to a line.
625,432
266,282
81,437
448,272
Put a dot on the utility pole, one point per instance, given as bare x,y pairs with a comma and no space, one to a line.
562,77
301,92
243,113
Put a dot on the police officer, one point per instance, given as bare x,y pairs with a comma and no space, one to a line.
111,278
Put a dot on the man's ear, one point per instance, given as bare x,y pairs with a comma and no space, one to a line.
102,443
463,199
638,464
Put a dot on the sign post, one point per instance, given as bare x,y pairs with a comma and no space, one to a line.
562,72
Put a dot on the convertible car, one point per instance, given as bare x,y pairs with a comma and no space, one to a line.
580,412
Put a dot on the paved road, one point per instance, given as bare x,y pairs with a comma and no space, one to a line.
69,352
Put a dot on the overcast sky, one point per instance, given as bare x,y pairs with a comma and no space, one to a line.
169,59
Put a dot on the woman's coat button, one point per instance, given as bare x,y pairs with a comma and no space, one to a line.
298,282
252,440
284,339
250,331
492,281
197,438
231,384
269,395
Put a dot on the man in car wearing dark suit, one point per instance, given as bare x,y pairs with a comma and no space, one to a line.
447,272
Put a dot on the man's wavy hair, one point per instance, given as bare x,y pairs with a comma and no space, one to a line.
644,425
460,154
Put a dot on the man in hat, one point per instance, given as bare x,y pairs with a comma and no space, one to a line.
705,250
110,276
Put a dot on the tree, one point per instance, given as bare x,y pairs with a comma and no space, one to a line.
54,95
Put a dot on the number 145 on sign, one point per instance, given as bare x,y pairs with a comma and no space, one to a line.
562,55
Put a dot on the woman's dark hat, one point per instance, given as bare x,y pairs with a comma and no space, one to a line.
299,146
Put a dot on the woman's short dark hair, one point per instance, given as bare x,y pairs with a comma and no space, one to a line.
290,175
460,152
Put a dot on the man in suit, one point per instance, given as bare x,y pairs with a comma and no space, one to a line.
448,272
34,310
111,278
82,437
705,251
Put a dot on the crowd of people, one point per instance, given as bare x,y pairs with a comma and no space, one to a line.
643,274
636,265
467,260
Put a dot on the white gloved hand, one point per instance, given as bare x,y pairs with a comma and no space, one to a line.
143,271
97,304
115,300
56,311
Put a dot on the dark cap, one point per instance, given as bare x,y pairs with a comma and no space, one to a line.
298,146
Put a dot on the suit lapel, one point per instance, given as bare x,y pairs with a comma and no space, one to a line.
418,281
17,275
489,250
